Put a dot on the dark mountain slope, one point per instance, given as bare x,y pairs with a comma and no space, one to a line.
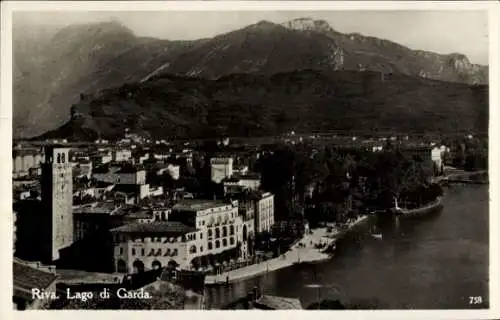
252,105
82,59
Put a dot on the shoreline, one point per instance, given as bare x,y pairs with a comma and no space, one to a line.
296,255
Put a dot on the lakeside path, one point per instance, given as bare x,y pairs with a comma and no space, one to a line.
295,255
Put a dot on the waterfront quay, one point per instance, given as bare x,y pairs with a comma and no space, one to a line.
314,246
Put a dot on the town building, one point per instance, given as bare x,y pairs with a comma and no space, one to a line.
91,218
220,168
101,156
122,155
24,160
120,174
238,183
83,168
246,210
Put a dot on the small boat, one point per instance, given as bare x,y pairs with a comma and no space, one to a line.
375,233
377,236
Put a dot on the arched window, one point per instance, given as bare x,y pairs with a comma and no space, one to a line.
209,233
121,266
217,233
63,158
138,266
217,244
224,242
58,158
231,230
192,249
156,265
224,231
201,249
210,246
231,241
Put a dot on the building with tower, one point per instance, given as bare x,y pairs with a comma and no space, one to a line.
57,197
45,227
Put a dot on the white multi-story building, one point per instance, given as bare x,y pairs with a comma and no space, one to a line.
221,226
264,212
221,168
122,155
195,229
437,158
147,246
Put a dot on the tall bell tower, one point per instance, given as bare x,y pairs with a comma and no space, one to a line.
57,197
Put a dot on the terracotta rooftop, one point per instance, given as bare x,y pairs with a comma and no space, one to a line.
78,276
160,227
279,303
199,204
27,277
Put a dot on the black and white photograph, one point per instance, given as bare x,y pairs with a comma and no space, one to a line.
212,157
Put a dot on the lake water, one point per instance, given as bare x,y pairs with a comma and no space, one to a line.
433,263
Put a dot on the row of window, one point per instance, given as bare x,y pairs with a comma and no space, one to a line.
224,232
119,239
218,243
219,219
168,252
61,157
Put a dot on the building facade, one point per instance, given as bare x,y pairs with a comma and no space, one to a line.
221,227
264,212
239,183
140,247
220,168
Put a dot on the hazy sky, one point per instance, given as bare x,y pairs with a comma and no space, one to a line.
438,31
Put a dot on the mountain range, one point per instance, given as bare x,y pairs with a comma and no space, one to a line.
80,66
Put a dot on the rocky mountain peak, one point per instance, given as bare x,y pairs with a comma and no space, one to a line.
459,62
307,24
